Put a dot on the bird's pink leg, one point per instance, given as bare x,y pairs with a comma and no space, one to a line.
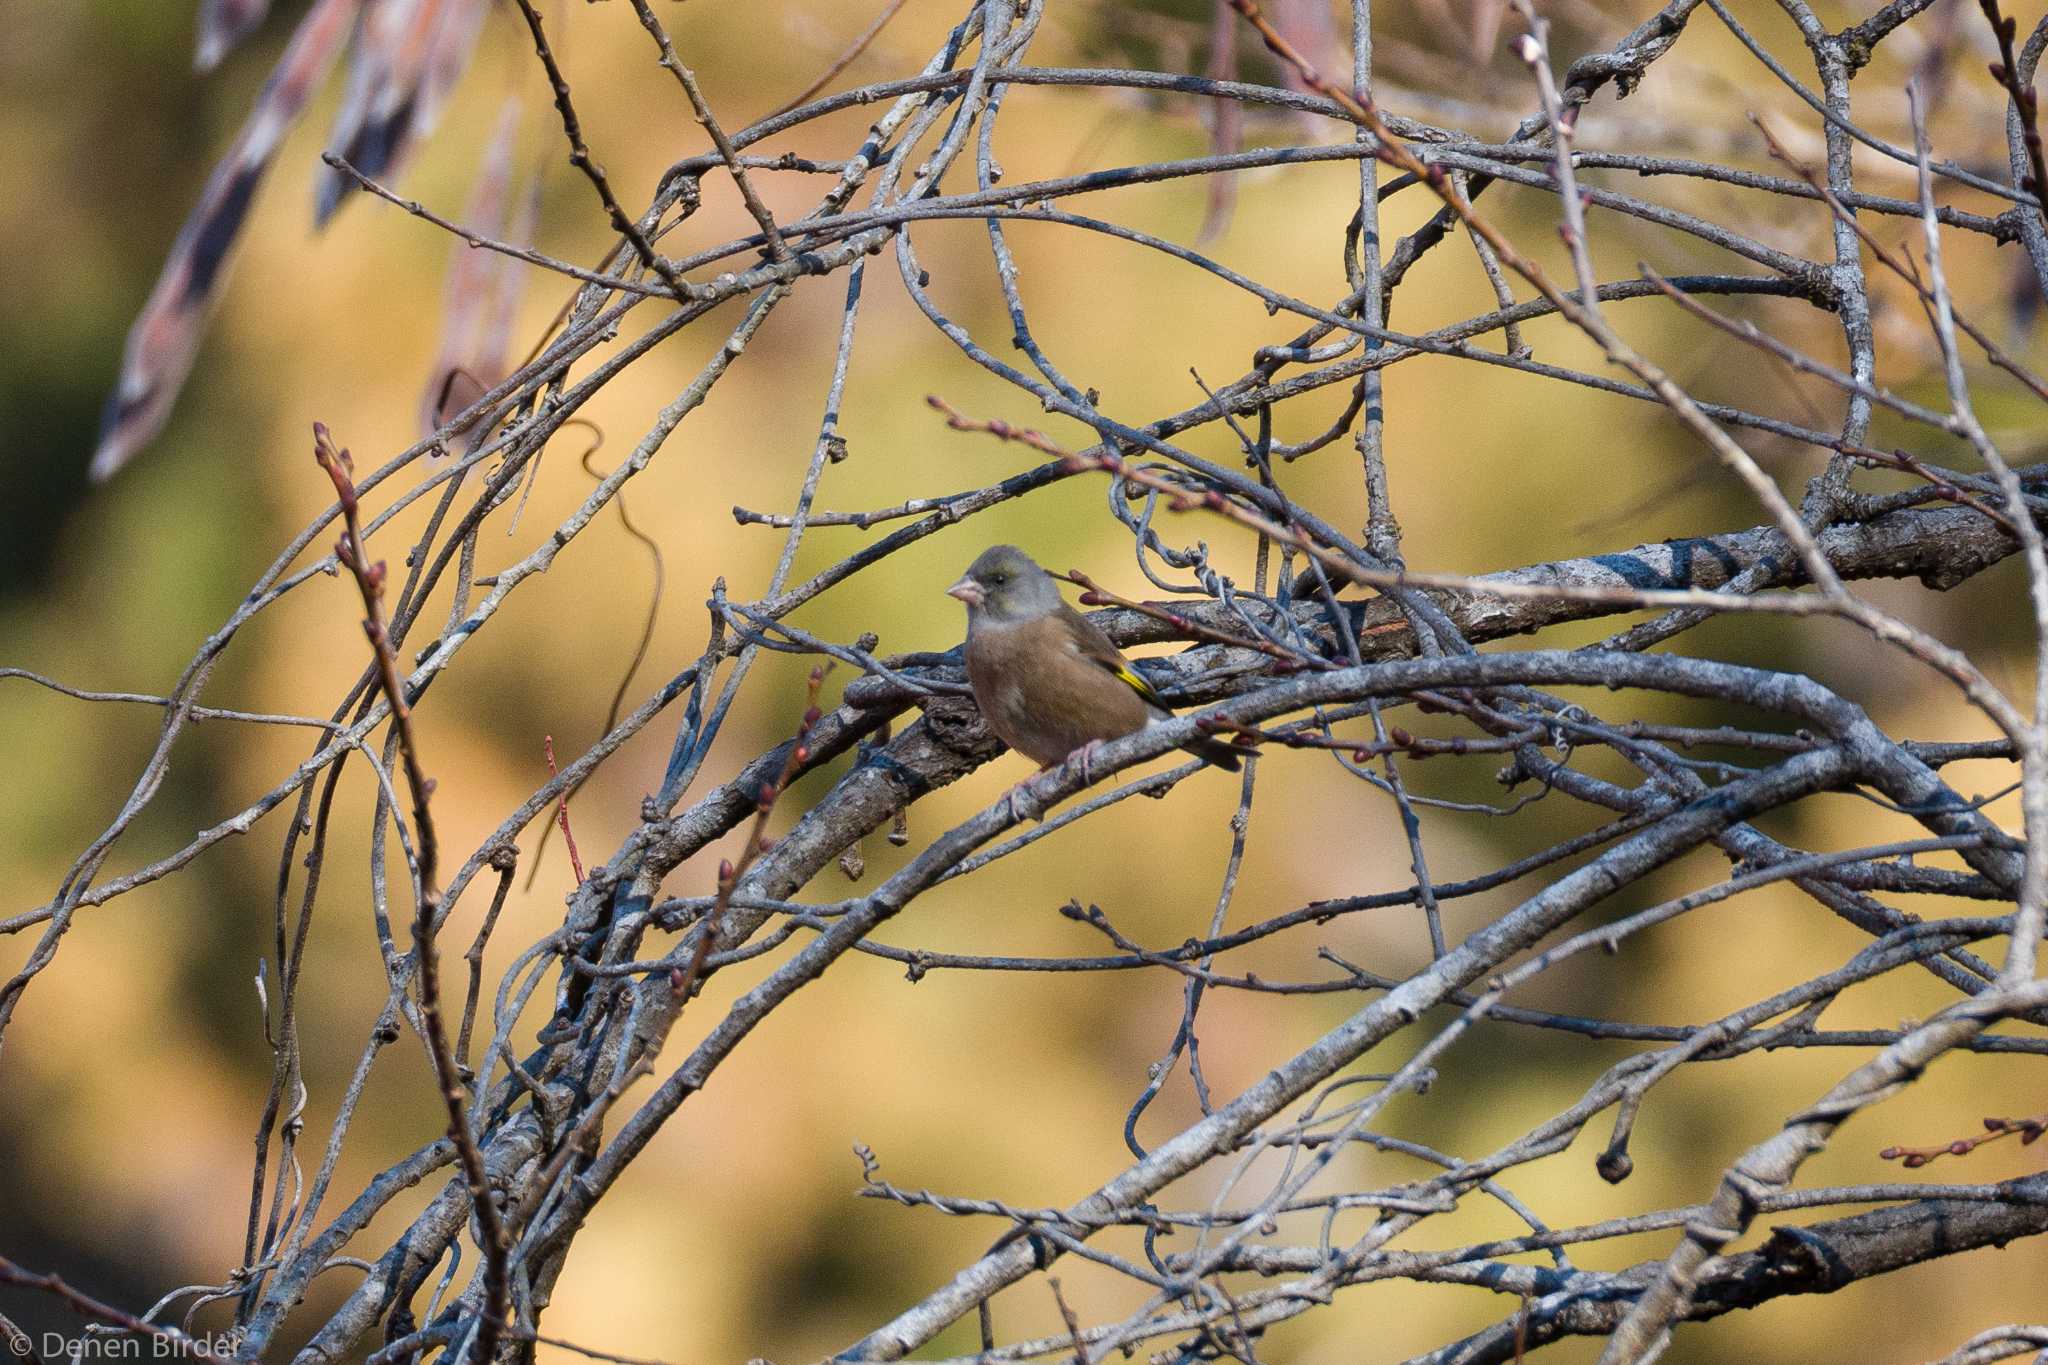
1085,757
1028,787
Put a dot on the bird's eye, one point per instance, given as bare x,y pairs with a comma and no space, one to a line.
999,579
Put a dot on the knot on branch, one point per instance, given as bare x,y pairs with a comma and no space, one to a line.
956,725
1798,1259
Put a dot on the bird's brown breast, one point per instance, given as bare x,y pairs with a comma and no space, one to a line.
1041,696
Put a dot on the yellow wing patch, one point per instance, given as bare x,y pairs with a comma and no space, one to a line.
1104,654
1139,685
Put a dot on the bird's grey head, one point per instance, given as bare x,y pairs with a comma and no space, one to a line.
1003,586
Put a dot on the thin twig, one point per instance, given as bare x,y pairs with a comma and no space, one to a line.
580,158
369,580
777,251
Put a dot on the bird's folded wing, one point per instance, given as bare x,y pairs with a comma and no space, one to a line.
1096,647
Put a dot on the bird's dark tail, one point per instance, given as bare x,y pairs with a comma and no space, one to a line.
1223,754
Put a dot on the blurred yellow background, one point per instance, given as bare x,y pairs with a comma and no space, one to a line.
132,1076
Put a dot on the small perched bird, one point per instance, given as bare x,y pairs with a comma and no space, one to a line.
1047,680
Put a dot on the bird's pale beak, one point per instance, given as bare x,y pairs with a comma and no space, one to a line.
968,591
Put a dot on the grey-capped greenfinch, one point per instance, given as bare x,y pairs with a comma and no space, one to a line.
1048,681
